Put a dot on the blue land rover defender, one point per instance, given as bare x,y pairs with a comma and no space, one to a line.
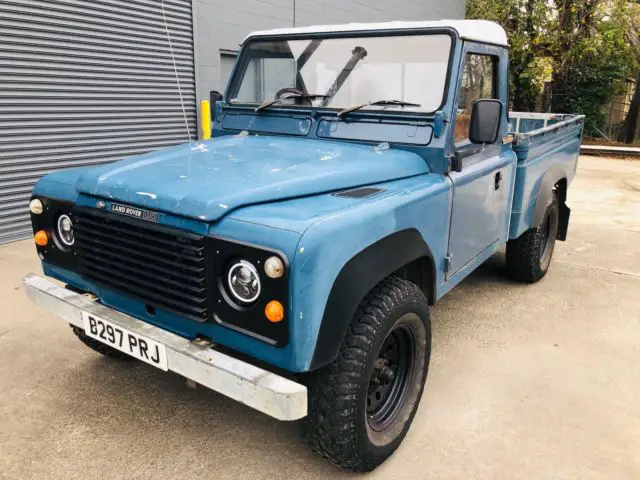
356,174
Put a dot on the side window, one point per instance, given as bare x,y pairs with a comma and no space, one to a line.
478,81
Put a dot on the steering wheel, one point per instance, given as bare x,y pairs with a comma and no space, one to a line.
298,101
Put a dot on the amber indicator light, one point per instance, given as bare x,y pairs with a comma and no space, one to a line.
41,238
274,311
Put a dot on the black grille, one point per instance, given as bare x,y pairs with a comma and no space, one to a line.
160,266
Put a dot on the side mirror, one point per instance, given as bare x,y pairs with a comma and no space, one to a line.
214,97
485,121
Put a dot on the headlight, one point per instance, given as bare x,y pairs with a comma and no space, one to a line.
244,281
35,206
65,230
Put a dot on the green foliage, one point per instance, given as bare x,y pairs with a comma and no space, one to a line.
582,46
592,57
522,20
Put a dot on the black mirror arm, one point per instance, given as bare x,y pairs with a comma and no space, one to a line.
214,97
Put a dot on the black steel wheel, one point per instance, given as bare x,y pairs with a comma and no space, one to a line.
362,404
389,380
549,234
529,255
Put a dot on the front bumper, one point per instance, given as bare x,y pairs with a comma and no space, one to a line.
265,391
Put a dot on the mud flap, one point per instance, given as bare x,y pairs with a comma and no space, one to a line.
563,221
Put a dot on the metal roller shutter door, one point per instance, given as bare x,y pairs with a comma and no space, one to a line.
86,82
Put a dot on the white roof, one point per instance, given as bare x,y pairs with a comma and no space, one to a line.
479,30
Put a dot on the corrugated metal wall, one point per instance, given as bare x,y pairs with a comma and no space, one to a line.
85,82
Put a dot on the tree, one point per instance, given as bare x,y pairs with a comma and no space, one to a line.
584,44
522,19
630,125
591,57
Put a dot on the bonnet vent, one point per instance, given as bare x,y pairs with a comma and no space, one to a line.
364,192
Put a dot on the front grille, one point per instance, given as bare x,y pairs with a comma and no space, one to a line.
160,266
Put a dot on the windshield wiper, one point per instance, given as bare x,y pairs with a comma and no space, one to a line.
268,103
378,103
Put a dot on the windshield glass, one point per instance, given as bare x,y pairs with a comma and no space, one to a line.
349,71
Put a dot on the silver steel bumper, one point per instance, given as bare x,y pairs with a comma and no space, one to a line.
267,392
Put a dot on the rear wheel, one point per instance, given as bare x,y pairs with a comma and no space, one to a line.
529,256
362,404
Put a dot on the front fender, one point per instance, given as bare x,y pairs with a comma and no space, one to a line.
357,278
343,256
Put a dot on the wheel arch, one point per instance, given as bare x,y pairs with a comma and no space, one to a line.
554,180
404,253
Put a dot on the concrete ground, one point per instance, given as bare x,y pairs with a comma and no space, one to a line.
528,382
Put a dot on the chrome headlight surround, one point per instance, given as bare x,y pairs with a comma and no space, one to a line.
244,282
65,231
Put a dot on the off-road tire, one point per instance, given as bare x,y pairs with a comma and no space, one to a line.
100,347
529,255
338,425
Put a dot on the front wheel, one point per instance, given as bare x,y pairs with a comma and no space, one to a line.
529,255
362,404
99,347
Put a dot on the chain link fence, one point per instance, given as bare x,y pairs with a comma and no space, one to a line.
617,111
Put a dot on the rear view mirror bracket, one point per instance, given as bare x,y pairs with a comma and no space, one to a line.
214,97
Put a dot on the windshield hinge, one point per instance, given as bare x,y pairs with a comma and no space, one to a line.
455,162
439,120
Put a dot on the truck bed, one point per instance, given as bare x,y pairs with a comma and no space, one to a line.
530,122
547,146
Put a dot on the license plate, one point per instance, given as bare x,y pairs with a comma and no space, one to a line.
137,346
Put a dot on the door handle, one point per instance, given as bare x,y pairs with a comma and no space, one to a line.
497,179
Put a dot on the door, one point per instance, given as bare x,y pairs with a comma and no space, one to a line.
482,190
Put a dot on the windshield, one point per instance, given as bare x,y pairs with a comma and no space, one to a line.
344,72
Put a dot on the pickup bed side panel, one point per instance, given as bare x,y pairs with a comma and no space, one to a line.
543,159
421,203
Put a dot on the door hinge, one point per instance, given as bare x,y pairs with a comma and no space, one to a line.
447,264
455,162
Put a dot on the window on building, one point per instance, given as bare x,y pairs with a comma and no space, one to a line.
264,77
478,81
227,60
